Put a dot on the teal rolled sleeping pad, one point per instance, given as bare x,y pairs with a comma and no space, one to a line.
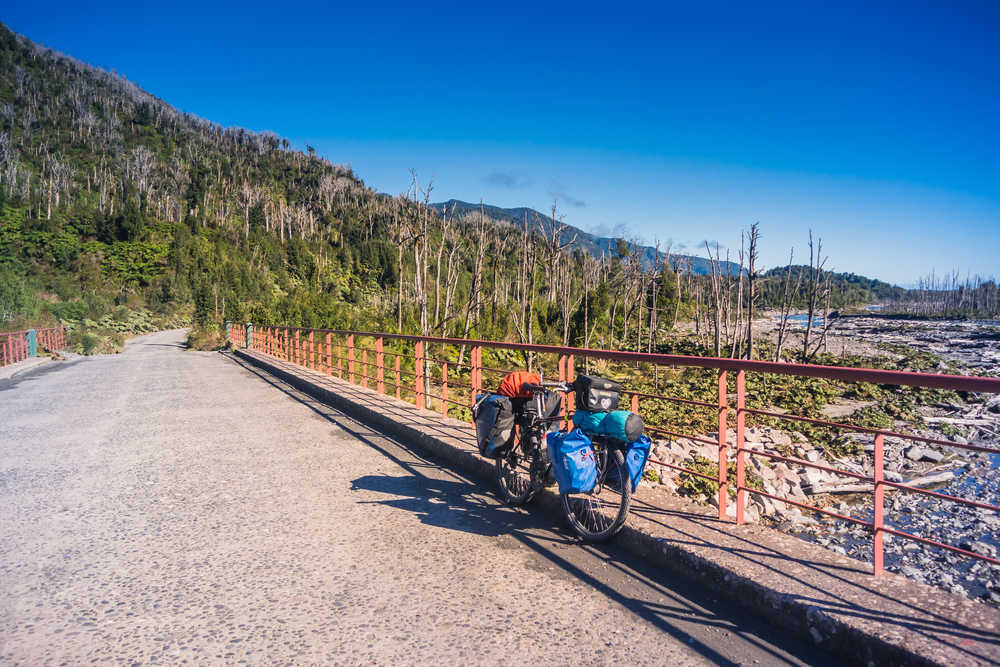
620,425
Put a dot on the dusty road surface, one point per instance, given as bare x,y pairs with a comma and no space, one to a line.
162,506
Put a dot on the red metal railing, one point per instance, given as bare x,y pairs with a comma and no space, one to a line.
15,347
327,354
52,338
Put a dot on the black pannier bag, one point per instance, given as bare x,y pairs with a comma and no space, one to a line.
595,394
494,417
551,405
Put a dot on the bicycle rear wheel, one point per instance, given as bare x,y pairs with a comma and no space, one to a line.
599,515
513,475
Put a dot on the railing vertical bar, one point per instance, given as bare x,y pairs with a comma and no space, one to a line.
444,389
562,378
878,519
398,388
350,358
380,363
741,494
477,370
418,372
723,454
328,354
570,377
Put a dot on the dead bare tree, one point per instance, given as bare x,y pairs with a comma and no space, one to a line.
752,255
789,295
716,298
816,291
474,302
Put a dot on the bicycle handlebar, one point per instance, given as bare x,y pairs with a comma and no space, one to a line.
534,388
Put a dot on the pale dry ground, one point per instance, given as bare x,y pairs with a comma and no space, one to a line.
165,506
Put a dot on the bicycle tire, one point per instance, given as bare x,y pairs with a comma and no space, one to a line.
513,474
599,515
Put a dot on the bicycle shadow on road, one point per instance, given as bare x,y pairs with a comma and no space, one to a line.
456,505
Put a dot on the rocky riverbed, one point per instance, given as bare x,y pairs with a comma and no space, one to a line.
972,346
959,347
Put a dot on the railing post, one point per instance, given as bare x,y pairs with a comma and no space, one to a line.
248,343
635,404
444,389
32,337
570,376
741,479
329,355
723,454
418,371
364,367
562,378
476,371
878,519
380,366
398,388
350,358
229,337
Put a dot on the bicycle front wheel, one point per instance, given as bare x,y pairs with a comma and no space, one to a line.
513,475
597,516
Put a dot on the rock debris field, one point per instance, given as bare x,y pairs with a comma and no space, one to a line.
974,348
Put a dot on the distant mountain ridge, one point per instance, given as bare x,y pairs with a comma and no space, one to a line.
595,245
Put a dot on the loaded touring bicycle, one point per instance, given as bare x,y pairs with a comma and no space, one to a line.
596,463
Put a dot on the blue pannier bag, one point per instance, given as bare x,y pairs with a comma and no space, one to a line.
635,459
494,417
573,461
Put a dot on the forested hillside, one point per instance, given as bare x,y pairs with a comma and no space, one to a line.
119,211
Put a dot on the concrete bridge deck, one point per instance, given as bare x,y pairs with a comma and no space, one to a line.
162,506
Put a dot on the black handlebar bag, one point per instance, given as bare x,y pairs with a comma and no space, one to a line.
596,394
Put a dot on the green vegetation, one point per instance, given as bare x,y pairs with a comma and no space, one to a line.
206,338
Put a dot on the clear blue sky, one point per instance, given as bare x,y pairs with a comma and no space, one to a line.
876,125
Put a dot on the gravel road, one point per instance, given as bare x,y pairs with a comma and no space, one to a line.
162,506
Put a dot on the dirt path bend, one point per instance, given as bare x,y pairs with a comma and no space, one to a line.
164,505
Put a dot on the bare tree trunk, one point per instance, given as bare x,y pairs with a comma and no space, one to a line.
751,283
472,306
788,296
717,299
